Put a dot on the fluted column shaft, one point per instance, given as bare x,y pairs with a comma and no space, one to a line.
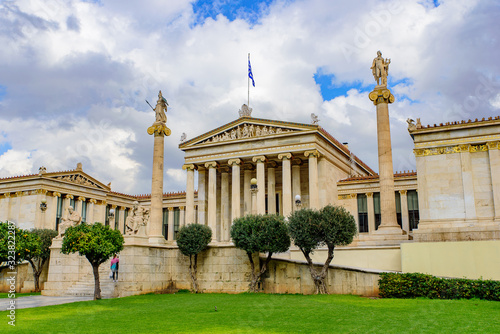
286,183
189,193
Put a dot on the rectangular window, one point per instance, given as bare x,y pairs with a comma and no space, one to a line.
59,211
84,211
165,223
117,218
413,214
177,213
398,208
376,209
362,214
125,215
106,219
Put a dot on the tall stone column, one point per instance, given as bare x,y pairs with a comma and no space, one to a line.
354,208
313,179
40,215
235,189
286,182
112,218
494,155
405,220
170,228
159,130
121,220
296,164
271,187
212,198
90,211
189,193
247,200
225,221
78,204
66,204
202,195
261,184
371,212
381,97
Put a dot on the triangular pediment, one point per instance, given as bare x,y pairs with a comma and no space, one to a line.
246,128
77,177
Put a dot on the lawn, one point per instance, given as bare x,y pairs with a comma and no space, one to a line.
6,295
259,313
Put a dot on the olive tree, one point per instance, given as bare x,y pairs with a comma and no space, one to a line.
310,229
96,242
260,234
191,240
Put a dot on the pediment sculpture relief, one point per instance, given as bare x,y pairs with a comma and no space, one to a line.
246,131
78,179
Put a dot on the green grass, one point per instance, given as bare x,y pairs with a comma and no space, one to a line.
259,313
6,295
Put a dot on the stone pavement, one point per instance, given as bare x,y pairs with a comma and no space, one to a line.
37,301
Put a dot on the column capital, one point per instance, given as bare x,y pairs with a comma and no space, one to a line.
123,208
6,195
234,162
312,153
224,169
297,161
93,201
283,156
19,193
492,145
103,202
69,196
189,167
211,164
170,208
247,166
260,158
159,129
181,208
41,191
403,192
354,195
81,198
369,194
113,206
56,194
272,164
382,95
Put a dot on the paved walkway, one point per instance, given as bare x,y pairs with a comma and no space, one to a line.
37,301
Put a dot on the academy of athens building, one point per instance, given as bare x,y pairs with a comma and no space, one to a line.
443,219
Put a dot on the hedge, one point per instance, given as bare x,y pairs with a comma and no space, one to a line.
411,285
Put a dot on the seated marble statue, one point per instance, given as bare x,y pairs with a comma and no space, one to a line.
137,220
73,219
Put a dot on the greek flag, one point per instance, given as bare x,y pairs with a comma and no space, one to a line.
250,74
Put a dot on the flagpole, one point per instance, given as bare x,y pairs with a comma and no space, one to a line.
248,81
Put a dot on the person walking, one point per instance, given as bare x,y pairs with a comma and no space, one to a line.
114,267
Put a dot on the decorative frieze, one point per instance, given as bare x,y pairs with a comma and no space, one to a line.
456,149
345,196
245,131
78,179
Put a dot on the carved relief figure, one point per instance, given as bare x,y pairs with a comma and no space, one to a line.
245,131
271,131
250,130
137,220
380,68
233,134
73,219
257,131
264,131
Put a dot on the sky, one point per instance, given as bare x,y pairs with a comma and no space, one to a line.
74,75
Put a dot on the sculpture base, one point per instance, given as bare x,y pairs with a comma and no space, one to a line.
157,240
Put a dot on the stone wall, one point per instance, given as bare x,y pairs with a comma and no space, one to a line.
291,276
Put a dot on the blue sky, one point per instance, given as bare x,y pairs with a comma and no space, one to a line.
75,74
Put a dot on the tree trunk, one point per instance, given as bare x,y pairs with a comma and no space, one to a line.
36,275
193,269
97,287
319,277
253,277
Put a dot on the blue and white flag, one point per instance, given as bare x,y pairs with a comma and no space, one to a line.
250,74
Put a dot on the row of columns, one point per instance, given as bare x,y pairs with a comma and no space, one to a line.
230,208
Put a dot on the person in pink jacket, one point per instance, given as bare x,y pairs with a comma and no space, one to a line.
114,267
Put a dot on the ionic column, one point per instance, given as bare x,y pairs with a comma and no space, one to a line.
40,214
103,211
90,211
212,197
121,219
235,189
52,206
405,220
354,207
494,155
261,184
271,187
202,196
170,224
224,205
78,204
313,178
296,163
66,204
381,97
287,183
182,216
247,199
189,193
371,212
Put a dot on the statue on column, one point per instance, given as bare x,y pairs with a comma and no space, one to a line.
73,219
137,220
161,109
380,68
